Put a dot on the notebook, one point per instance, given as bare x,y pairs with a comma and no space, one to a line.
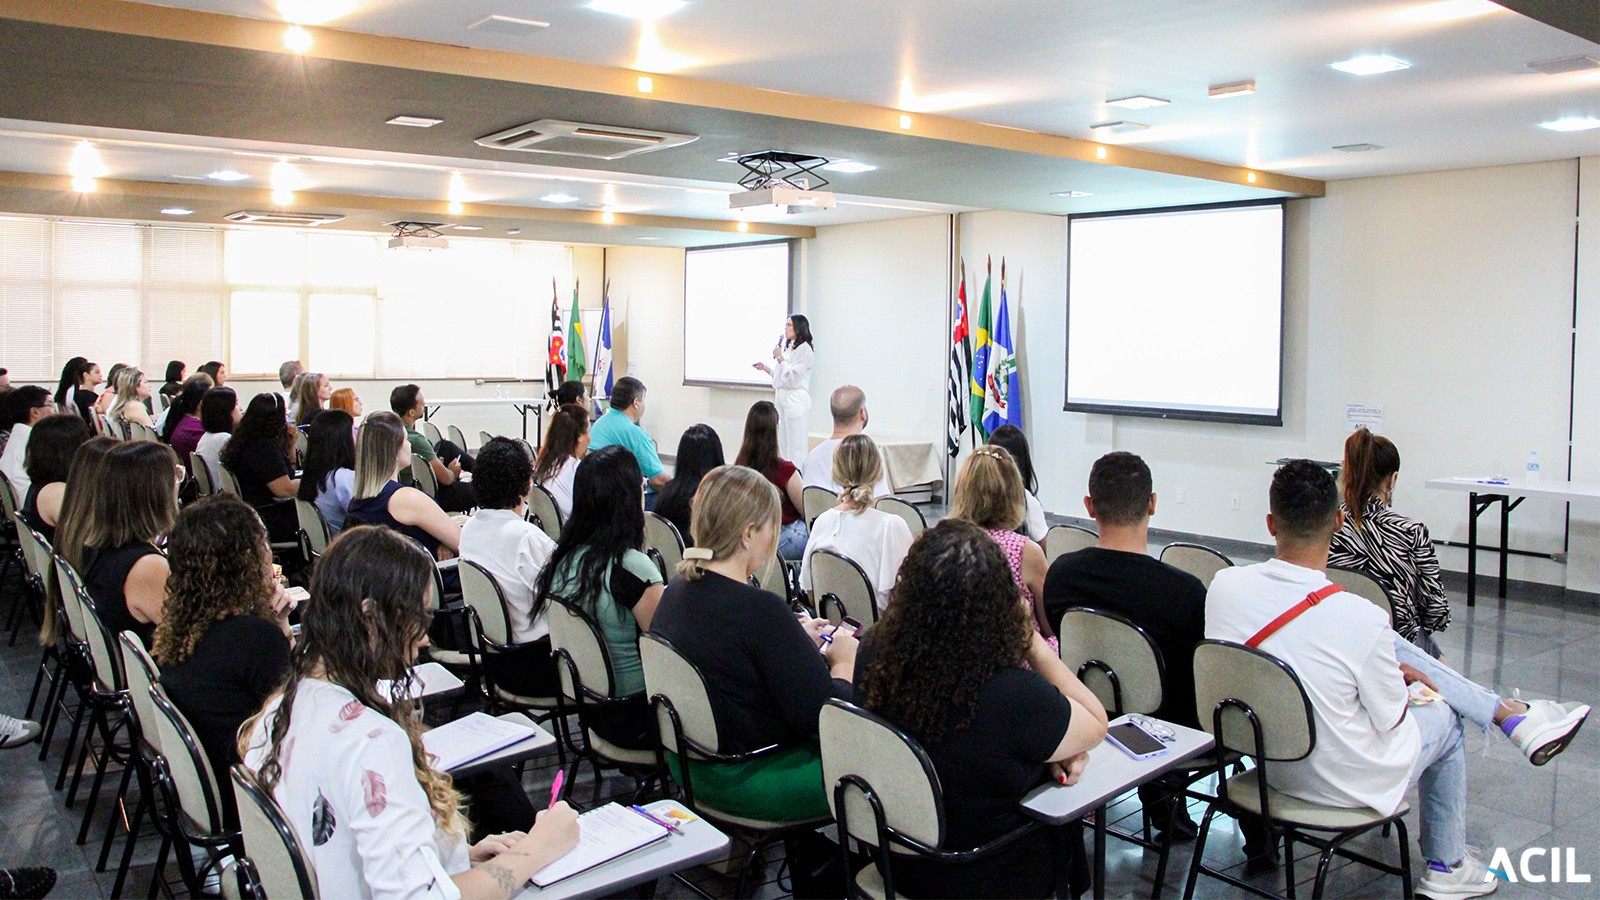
604,834
426,680
471,738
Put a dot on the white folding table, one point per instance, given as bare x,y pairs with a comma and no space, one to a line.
1483,493
523,405
694,843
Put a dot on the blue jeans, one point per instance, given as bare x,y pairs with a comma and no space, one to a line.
792,540
1441,767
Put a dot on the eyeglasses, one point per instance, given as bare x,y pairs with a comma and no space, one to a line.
1156,729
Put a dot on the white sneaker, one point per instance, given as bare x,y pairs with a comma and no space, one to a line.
15,732
1468,879
1547,728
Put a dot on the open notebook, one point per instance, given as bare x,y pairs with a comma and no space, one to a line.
471,738
604,834
426,680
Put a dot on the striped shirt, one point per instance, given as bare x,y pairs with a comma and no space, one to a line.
1398,550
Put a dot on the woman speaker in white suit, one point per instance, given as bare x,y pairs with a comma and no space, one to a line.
793,358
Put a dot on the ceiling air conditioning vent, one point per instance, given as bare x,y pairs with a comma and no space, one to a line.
301,220
579,139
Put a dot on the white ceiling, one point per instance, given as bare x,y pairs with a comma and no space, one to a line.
1048,65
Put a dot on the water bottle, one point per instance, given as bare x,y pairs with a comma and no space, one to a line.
1533,467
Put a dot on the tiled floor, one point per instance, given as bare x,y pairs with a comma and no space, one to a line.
1538,641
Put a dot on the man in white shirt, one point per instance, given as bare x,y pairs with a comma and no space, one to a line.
515,551
1371,741
848,405
25,406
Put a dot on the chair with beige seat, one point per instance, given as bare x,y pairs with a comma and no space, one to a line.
839,587
588,683
1197,559
1063,539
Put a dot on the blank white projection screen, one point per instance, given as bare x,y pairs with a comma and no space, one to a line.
735,300
1177,314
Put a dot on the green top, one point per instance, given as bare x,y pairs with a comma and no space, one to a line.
421,448
615,428
625,584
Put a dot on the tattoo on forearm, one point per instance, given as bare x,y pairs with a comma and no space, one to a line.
503,877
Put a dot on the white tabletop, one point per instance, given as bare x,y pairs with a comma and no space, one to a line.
1111,772
540,742
481,401
1514,486
694,843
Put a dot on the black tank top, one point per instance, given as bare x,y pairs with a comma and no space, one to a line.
105,575
30,514
374,510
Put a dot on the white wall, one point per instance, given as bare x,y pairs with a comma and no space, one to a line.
1583,565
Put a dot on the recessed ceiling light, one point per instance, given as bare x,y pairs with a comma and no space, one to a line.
558,198
1138,101
743,226
1450,10
1358,148
297,39
227,175
1072,194
1234,89
177,211
637,9
508,25
513,231
1572,123
608,217
849,167
1119,126
648,238
646,84
414,121
1566,64
905,123
1370,65
468,227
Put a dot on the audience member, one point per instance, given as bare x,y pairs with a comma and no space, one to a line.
258,455
447,460
570,393
67,387
1120,576
515,551
955,663
77,505
345,761
1371,741
848,406
102,403
597,566
172,385
132,390
565,443
347,400
328,479
25,407
1016,443
379,499
223,641
133,506
218,372
876,541
760,452
763,675
219,415
1379,541
182,427
5,423
5,377
699,451
81,395
989,495
288,373
310,396
619,427
50,448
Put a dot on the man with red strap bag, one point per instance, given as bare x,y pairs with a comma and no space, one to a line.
1375,734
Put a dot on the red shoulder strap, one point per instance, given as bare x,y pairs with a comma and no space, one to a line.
1292,613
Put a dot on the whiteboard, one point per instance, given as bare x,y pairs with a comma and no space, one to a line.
735,300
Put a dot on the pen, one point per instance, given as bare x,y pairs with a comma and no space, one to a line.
670,826
555,789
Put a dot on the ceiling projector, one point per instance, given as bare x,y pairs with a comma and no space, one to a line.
795,199
781,178
417,236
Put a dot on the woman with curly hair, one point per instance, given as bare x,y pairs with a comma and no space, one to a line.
223,645
950,663
345,760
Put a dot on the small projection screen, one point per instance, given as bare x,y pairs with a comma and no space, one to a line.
735,300
1177,313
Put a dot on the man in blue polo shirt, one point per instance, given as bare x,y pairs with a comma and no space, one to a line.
620,426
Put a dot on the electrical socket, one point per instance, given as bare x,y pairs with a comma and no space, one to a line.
1180,497
1233,503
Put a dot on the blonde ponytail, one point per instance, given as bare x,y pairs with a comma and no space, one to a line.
857,466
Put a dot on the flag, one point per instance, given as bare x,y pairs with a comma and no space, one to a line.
602,350
1002,402
555,366
960,367
982,327
575,352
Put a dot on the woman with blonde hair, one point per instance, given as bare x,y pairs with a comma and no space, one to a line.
766,681
311,391
77,505
132,390
989,494
874,540
380,499
345,760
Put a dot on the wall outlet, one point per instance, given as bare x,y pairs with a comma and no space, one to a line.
1233,502
1180,496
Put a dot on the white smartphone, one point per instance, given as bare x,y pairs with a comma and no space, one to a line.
1135,741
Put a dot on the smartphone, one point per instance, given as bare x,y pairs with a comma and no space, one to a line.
297,594
1135,741
848,625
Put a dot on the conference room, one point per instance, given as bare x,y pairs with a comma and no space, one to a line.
496,274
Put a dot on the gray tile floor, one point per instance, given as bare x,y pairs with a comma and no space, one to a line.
1538,640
